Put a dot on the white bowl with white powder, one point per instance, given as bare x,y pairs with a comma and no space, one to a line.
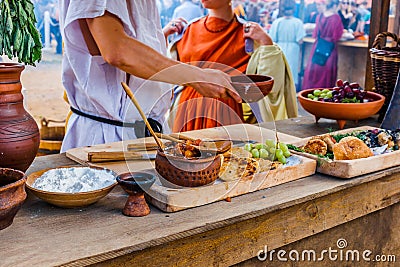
72,186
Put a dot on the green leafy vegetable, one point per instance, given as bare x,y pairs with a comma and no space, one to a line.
18,35
357,134
294,148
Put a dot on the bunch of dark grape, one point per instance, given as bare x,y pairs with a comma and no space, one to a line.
343,92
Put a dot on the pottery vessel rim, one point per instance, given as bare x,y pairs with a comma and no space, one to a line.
21,180
377,99
122,178
186,160
8,65
246,79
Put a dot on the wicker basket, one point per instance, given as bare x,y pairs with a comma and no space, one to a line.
385,67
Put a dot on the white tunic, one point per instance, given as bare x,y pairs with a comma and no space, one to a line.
94,87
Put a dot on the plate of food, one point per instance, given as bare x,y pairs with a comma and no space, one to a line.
352,152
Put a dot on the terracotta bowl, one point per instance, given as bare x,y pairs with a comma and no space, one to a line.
12,195
69,200
252,87
341,112
188,172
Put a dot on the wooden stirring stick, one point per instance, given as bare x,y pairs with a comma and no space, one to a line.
134,101
170,138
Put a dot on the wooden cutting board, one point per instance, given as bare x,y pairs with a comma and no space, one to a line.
170,198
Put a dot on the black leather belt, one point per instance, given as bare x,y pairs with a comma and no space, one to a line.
139,126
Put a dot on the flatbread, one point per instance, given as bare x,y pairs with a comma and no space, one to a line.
234,168
265,165
238,152
239,164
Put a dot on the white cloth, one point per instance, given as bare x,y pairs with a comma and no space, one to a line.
94,87
287,33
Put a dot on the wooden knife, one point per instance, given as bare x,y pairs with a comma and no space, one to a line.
106,156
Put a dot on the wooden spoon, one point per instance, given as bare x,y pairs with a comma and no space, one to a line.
128,91
210,146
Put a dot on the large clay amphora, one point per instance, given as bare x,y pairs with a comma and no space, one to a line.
19,133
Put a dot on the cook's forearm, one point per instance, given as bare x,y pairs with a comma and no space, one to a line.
136,58
144,62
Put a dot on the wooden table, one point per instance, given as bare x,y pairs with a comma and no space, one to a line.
308,214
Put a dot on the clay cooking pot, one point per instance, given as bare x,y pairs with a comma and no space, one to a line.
12,195
188,172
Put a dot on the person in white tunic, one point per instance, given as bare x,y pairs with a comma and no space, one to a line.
288,32
104,42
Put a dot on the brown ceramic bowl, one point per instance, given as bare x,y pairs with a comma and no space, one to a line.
69,200
252,87
341,111
188,172
12,195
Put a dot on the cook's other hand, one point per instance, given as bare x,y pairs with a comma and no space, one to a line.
174,26
256,32
218,85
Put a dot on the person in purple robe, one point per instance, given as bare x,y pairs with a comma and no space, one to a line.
329,27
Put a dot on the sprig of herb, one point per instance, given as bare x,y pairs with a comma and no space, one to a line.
19,37
295,148
357,134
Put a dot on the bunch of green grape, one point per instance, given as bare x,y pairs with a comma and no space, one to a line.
270,150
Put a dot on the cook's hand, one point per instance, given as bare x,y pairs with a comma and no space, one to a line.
174,26
256,32
217,84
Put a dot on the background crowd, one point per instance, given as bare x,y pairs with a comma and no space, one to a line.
291,24
202,35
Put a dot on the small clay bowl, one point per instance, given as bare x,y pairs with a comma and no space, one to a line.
135,184
181,171
341,112
252,87
12,195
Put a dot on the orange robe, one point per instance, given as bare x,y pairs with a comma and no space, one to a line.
218,50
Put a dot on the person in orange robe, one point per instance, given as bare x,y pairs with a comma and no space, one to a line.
214,41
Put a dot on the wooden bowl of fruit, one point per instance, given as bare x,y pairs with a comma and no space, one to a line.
346,101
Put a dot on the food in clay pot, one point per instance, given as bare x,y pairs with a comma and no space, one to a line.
184,164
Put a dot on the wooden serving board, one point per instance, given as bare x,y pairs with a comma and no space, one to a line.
355,167
171,198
